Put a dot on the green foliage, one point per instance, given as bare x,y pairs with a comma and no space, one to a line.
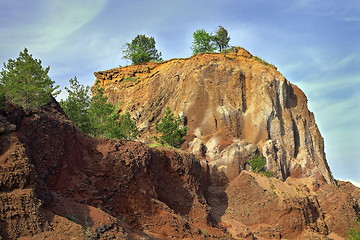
100,114
257,163
202,42
26,83
77,104
141,49
2,96
95,115
122,127
171,133
267,174
354,232
260,60
130,79
221,38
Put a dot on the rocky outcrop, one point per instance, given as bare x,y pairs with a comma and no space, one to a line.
57,183
234,105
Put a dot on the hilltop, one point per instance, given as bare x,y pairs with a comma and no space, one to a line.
58,183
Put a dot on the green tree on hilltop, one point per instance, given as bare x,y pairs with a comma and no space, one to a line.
171,133
221,38
141,49
202,42
26,83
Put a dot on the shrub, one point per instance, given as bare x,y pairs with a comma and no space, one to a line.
267,174
262,61
171,133
130,79
257,163
354,232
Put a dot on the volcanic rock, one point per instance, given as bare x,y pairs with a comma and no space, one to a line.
234,104
58,183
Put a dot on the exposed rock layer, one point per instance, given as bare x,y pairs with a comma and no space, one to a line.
57,183
234,105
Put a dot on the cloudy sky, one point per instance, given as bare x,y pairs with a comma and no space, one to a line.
314,43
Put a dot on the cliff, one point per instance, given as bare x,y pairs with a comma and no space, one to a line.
234,104
58,183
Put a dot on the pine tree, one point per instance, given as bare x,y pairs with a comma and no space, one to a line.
171,133
94,115
26,83
77,105
221,38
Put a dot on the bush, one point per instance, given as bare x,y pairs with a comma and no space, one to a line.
262,61
171,133
257,163
26,83
268,174
354,232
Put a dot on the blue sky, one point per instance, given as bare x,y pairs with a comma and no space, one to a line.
314,43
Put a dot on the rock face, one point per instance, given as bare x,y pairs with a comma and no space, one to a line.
57,183
234,105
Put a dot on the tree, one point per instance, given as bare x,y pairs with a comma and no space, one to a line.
26,83
100,113
123,127
77,105
1,96
221,38
141,49
202,42
94,115
171,133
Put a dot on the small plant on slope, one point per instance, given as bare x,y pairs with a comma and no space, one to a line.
354,232
257,163
171,133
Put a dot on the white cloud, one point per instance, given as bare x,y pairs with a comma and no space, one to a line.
62,18
351,19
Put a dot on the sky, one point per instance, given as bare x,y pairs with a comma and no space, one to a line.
315,44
